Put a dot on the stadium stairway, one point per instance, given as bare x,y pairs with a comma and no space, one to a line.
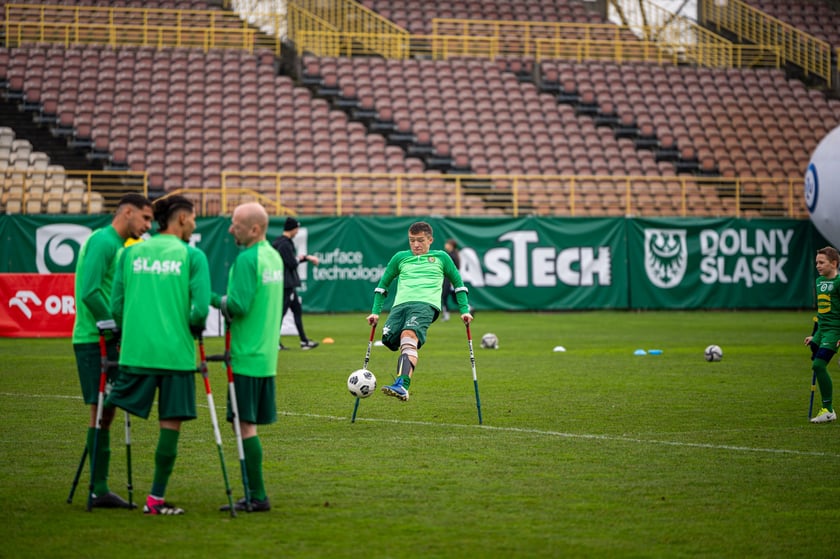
41,139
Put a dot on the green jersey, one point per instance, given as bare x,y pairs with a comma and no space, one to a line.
420,280
828,303
93,282
161,289
255,302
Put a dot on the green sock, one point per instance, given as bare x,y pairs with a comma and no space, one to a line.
406,381
824,380
253,465
103,459
165,454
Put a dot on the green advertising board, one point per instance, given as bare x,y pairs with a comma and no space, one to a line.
721,263
527,263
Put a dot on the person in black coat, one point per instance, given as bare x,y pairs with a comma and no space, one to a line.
451,248
291,280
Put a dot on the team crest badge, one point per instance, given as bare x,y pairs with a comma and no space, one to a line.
666,256
57,246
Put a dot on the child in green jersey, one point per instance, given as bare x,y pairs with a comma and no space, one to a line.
252,307
160,300
826,339
417,303
94,278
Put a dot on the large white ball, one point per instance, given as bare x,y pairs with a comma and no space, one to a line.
822,187
713,353
361,383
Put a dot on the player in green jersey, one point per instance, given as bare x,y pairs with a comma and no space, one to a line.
827,337
161,299
94,278
417,302
252,306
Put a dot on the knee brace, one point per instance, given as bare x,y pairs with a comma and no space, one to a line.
408,346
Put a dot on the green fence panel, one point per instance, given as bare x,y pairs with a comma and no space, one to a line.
526,263
721,263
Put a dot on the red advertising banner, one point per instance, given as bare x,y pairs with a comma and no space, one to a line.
37,305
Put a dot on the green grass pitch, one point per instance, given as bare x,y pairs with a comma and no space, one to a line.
592,452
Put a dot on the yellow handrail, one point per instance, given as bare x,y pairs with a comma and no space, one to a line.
749,24
378,35
28,190
128,35
68,25
442,47
458,195
728,56
680,37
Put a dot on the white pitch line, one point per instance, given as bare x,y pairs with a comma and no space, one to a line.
54,396
558,434
587,436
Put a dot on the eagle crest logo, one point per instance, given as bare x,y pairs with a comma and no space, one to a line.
666,256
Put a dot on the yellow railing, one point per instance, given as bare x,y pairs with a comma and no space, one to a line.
303,23
680,38
441,47
377,35
653,23
727,56
344,43
749,24
422,194
214,201
269,16
32,191
519,38
465,195
206,29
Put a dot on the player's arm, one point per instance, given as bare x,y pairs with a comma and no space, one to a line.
381,290
242,285
450,270
813,331
100,257
199,288
118,291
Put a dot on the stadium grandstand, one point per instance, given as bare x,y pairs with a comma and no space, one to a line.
396,107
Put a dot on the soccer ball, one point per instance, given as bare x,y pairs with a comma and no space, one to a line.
489,341
361,383
713,353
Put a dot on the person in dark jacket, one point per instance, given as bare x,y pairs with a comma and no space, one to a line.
284,245
451,248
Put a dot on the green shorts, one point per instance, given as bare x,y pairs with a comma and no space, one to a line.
256,399
826,341
89,366
135,393
416,317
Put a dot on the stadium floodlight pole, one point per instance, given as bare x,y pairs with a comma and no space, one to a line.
216,433
365,366
475,378
234,408
813,389
78,475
